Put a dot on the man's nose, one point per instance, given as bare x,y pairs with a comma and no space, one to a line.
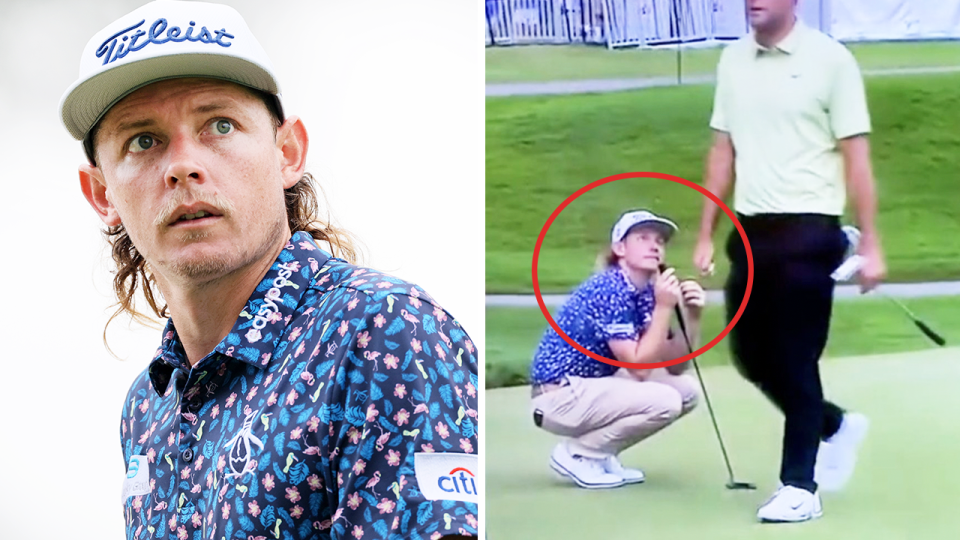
183,154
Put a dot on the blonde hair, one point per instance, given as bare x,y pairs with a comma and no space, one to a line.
606,259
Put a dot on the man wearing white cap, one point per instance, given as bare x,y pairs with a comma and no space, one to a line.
623,313
294,394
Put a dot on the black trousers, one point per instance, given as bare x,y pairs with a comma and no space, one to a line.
778,340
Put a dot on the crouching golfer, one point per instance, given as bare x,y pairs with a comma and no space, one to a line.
622,312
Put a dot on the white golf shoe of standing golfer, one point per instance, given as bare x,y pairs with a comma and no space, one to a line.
837,456
791,504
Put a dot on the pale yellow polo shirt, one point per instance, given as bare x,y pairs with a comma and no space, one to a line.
785,109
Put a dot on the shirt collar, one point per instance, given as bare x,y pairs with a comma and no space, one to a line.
786,45
629,284
262,321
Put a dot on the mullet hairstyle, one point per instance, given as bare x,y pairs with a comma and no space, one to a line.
303,208
606,259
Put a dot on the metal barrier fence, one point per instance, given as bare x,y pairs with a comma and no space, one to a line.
527,22
614,23
623,23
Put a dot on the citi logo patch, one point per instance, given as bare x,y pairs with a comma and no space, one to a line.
625,328
465,482
137,481
448,476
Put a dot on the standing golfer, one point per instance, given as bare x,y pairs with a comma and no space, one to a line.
293,395
791,123
623,312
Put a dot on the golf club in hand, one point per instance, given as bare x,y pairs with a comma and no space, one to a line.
732,483
851,265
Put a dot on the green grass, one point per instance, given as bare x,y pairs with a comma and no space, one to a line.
906,467
860,326
540,150
549,63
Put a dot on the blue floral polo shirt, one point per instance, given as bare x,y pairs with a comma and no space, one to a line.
343,404
606,306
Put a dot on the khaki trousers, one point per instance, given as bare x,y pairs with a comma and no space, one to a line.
605,415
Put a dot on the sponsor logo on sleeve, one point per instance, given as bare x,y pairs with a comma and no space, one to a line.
448,476
625,328
137,481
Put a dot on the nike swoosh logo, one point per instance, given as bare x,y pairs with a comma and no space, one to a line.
796,506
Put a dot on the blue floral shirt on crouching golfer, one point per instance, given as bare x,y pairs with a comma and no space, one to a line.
343,404
607,306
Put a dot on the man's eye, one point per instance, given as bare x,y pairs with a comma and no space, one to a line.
224,127
141,143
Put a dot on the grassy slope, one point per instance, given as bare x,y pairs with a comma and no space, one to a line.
541,150
548,63
863,326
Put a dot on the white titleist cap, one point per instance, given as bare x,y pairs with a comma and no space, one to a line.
164,39
642,217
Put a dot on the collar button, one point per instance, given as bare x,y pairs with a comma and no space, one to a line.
194,405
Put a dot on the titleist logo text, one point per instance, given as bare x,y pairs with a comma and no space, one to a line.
120,44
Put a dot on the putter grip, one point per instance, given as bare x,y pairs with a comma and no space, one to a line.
847,270
676,308
930,333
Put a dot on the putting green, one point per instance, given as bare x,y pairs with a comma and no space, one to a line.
906,475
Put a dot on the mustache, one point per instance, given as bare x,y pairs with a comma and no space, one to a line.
182,198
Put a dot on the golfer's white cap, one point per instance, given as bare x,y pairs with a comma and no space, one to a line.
164,39
642,217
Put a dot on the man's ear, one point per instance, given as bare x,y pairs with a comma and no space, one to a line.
292,143
619,249
95,190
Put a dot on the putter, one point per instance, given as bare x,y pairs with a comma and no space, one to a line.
732,483
852,265
935,337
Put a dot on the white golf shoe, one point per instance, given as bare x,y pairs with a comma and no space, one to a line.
837,456
586,472
791,504
630,476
